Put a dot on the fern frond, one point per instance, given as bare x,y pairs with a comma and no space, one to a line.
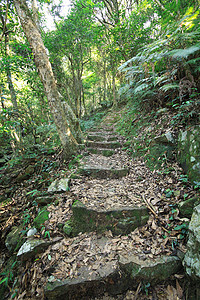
140,88
193,61
169,86
184,53
160,79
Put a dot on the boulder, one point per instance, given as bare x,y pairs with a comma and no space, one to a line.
59,185
188,152
192,257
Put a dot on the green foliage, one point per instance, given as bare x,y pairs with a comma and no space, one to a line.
74,162
92,121
26,217
154,74
8,275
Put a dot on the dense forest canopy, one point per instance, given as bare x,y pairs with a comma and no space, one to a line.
102,54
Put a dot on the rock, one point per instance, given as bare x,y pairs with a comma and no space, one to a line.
88,284
166,138
192,257
121,220
67,228
150,270
14,238
31,232
41,218
59,185
188,152
101,172
186,207
44,200
26,174
104,152
32,247
101,138
104,145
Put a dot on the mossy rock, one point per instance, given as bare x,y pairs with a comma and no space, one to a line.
150,270
118,220
14,238
67,228
188,152
104,152
104,145
100,172
186,207
41,218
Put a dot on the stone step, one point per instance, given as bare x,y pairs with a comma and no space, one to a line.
106,270
104,145
103,173
104,152
102,129
121,220
101,138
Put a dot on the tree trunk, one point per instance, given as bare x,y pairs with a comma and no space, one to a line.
114,91
69,142
9,76
104,81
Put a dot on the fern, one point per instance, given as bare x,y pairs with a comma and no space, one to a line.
169,86
140,88
184,53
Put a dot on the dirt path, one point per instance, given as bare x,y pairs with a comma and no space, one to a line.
115,235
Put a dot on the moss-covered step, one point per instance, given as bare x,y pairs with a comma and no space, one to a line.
104,152
121,220
106,272
149,270
102,172
88,283
105,145
101,138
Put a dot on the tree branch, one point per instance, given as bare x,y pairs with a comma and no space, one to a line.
4,22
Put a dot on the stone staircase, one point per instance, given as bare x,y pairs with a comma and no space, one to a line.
106,222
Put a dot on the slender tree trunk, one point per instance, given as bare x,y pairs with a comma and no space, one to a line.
83,96
9,76
114,91
2,99
104,80
69,142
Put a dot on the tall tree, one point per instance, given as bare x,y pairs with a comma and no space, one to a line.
66,122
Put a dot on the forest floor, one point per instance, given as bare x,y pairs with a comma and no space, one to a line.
163,234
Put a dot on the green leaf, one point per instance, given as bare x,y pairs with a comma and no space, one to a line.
184,53
4,280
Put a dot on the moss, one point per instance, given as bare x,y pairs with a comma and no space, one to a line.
41,218
68,228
